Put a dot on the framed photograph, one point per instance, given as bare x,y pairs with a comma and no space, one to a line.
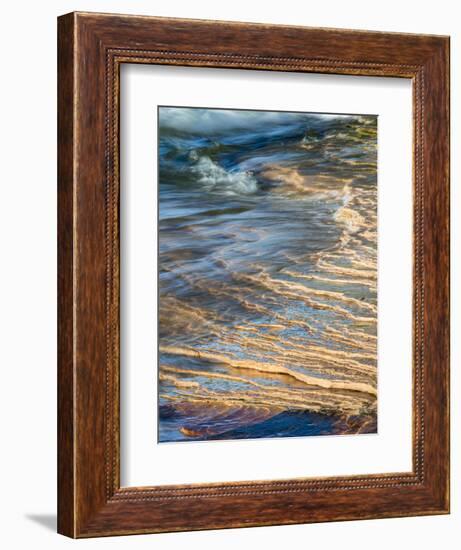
253,275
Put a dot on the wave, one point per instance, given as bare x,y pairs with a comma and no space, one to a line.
273,368
214,177
219,121
268,307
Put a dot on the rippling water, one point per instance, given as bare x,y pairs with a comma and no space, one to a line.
267,274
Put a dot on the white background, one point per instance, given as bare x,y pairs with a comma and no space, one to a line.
145,462
28,274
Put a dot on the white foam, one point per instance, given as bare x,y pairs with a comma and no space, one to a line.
214,177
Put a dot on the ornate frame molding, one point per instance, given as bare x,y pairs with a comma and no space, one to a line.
91,49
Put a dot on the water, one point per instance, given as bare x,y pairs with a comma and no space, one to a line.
267,274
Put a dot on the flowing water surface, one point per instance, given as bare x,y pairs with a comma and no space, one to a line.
267,274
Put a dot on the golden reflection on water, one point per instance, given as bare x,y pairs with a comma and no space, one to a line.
271,360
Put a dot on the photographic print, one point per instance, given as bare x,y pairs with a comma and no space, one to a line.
267,273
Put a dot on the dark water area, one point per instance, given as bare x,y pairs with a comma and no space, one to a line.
290,423
267,274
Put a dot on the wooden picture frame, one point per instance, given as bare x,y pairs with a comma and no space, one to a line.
92,48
